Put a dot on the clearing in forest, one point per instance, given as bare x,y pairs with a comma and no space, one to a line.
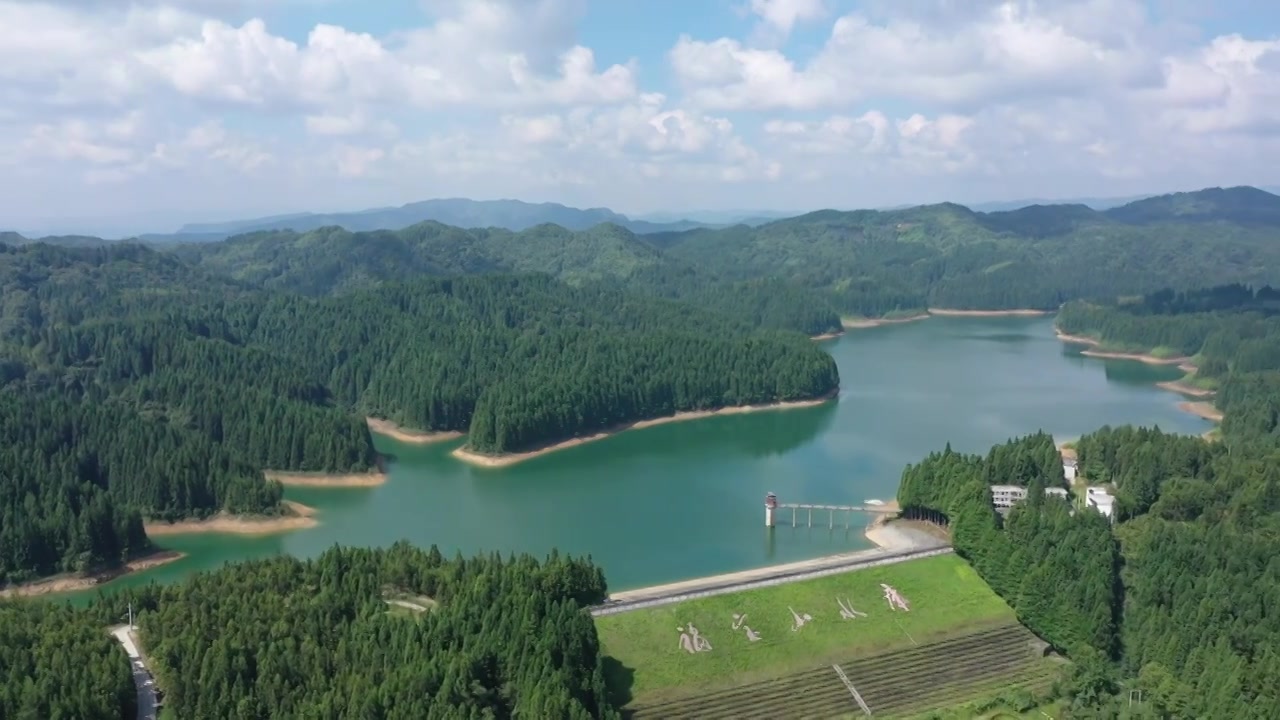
733,640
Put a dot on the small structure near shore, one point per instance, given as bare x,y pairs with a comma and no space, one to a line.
771,506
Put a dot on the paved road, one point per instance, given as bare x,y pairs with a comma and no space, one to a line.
141,675
762,577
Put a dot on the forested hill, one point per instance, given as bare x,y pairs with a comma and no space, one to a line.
334,261
803,272
138,385
325,638
1177,600
1037,257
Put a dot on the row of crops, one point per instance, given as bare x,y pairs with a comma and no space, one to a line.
903,682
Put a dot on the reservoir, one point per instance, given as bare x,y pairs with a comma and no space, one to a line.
686,499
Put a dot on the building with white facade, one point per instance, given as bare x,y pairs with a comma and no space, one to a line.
1006,496
1069,469
1101,500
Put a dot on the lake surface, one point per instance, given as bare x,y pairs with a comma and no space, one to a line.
687,499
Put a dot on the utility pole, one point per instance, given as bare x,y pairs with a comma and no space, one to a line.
131,617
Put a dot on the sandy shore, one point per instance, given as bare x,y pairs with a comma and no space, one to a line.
1183,389
825,336
302,518
72,583
497,461
1181,362
326,480
1202,409
859,323
406,435
947,312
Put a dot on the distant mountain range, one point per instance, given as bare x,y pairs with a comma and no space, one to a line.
514,215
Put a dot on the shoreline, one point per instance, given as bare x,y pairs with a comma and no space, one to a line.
1182,362
508,459
949,312
1183,389
826,336
326,480
72,583
386,428
1202,409
861,323
303,517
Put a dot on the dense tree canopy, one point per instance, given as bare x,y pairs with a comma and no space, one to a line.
58,663
1180,595
137,386
138,383
830,263
499,638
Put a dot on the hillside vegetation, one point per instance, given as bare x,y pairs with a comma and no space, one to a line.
831,263
1177,599
285,638
136,385
140,383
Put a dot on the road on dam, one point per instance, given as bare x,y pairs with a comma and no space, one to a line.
897,544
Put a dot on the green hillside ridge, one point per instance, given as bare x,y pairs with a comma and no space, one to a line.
863,263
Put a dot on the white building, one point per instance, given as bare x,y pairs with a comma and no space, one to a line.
1005,496
1069,469
1101,500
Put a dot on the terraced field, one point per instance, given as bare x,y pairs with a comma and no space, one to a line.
891,684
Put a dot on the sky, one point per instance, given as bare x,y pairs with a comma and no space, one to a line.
119,116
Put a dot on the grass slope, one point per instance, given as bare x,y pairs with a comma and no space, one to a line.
946,597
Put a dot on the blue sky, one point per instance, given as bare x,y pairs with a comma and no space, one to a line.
118,116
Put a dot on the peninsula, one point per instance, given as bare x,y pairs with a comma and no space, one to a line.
507,459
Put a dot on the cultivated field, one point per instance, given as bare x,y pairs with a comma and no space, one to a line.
699,647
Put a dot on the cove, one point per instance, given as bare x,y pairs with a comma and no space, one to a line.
685,499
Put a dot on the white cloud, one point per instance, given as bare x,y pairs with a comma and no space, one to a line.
780,17
203,107
1010,50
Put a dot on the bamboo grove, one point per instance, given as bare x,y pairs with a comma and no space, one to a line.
1178,600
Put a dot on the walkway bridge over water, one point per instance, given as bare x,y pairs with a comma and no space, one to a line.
772,506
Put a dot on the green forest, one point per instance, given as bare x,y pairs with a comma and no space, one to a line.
142,383
323,639
1176,600
138,386
806,272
